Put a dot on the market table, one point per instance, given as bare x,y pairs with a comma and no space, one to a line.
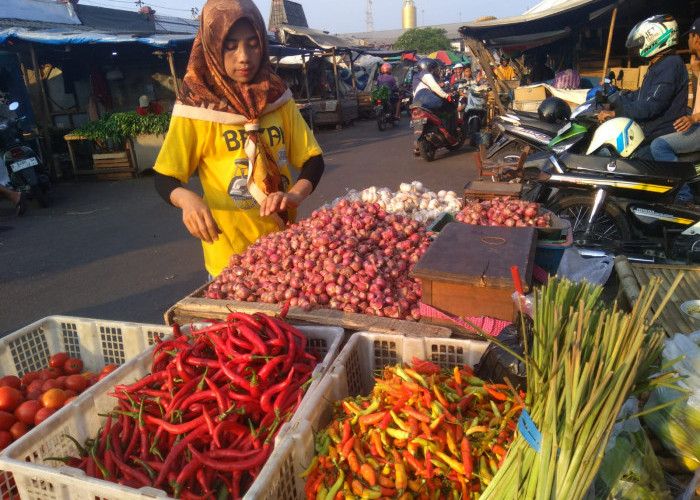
633,276
115,165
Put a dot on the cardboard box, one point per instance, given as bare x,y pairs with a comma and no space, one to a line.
526,106
530,93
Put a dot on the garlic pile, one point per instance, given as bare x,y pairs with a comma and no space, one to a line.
412,200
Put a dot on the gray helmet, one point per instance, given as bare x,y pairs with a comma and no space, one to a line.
427,64
553,110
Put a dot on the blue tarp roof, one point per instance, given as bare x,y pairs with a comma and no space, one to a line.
57,36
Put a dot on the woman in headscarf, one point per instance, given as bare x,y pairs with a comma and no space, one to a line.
237,123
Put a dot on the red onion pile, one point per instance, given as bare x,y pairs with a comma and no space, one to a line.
504,212
352,257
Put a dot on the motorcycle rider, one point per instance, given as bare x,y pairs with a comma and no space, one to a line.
686,137
429,94
388,80
663,96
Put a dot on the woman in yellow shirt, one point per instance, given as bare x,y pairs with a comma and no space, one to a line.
236,123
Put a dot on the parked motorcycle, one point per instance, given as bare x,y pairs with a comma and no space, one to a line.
618,202
27,172
558,132
431,132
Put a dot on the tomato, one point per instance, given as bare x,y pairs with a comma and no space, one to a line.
6,420
58,360
73,365
78,383
9,398
108,369
92,379
18,430
35,385
28,377
5,439
70,394
12,381
43,414
34,394
51,383
53,398
48,373
27,410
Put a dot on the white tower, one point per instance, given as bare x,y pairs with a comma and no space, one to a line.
369,22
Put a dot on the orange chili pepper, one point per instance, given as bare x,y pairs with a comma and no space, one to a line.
401,477
385,481
499,396
377,442
368,474
354,462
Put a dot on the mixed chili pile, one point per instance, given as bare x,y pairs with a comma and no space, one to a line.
203,422
424,432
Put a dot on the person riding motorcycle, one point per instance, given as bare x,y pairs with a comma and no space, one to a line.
663,96
429,94
387,79
464,83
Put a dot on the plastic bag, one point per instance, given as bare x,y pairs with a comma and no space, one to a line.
630,469
678,426
497,363
595,270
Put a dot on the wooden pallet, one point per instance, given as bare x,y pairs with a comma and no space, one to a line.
196,307
117,165
633,276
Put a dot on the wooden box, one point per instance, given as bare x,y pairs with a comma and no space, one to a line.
114,165
466,271
479,190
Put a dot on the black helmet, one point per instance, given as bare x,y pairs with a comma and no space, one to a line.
554,109
427,64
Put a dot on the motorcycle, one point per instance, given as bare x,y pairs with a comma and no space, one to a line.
431,133
472,109
518,129
27,172
617,201
384,111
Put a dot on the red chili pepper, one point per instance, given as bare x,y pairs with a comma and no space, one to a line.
266,398
129,471
467,458
233,465
265,372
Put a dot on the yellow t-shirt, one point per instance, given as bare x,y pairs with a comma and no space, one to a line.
217,151
504,72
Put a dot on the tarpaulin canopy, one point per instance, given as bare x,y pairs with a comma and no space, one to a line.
299,36
68,37
544,23
47,11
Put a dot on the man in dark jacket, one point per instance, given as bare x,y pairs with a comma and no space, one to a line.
663,95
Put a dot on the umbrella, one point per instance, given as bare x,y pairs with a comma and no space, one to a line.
447,57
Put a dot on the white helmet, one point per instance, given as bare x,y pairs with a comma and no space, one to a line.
622,134
459,65
653,35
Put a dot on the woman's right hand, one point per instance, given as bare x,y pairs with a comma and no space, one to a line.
196,215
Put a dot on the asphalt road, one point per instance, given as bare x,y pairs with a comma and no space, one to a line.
114,250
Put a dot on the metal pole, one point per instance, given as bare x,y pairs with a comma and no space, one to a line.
47,110
171,61
308,91
337,87
607,49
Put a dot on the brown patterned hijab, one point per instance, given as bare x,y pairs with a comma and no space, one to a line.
206,84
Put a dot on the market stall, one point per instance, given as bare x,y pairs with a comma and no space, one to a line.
398,343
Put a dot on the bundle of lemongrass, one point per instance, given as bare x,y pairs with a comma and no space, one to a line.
584,361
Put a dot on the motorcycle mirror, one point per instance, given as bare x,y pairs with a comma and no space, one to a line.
13,106
620,75
611,75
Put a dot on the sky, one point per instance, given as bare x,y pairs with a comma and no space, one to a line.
348,16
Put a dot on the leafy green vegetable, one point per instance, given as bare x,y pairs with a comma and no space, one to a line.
381,93
113,128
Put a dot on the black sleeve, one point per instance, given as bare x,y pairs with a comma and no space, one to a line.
312,170
165,185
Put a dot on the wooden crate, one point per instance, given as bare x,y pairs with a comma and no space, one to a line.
466,271
632,276
117,165
479,190
197,307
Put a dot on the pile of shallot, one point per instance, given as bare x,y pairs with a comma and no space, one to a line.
504,212
412,200
352,257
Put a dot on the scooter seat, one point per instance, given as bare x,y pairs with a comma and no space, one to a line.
546,127
674,171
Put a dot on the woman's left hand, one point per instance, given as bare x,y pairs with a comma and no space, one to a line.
278,202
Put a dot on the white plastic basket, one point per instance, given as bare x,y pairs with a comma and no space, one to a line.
351,373
96,342
39,480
